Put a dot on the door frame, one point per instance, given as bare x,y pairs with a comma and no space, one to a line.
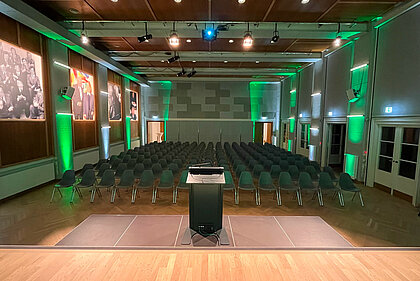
272,128
307,121
374,148
325,136
147,128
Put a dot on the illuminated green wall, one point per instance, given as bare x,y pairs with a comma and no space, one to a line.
349,164
128,131
292,123
64,142
256,91
356,128
289,145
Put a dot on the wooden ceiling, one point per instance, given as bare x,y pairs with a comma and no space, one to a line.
317,11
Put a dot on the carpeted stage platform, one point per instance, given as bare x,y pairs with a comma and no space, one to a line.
256,232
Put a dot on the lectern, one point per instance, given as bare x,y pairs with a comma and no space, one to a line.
206,204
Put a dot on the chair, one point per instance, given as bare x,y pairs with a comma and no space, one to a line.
265,182
68,180
115,164
300,165
275,171
140,159
154,158
258,169
346,184
330,171
182,184
166,182
107,181
157,170
147,163
163,163
138,170
174,168
285,183
83,170
246,182
305,183
127,181
241,168
147,180
316,166
294,172
126,159
88,181
325,183
100,162
102,169
284,165
312,172
230,185
131,164
120,169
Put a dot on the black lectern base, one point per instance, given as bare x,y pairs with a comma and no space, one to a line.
221,234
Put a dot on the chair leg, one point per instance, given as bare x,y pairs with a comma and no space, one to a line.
278,197
52,195
320,199
256,197
99,192
72,194
79,192
354,195
299,197
237,197
59,191
113,191
154,196
133,195
361,199
92,195
174,195
341,197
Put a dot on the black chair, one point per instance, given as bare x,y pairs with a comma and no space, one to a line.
107,181
127,181
120,170
88,181
68,180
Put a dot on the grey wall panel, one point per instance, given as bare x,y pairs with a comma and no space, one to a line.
246,131
172,130
209,131
188,131
305,91
362,48
397,81
285,99
338,81
230,131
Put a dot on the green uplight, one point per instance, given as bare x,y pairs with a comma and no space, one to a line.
253,130
256,92
309,133
289,145
293,98
64,142
166,96
356,128
165,128
350,164
292,122
359,80
128,131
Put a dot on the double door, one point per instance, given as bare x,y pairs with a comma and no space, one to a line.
398,159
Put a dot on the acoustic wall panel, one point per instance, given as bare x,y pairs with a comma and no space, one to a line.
188,131
172,131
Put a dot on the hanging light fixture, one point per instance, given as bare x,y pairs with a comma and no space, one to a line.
337,41
174,39
275,37
145,38
83,36
248,38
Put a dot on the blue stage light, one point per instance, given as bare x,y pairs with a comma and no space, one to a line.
209,34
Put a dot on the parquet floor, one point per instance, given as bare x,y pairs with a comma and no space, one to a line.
384,221
204,265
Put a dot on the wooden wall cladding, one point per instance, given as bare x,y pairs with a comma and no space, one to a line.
115,133
134,129
84,134
22,141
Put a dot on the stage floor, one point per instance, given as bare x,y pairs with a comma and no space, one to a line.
161,231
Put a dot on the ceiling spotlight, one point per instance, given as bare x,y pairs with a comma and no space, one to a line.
275,37
188,40
178,1
74,11
337,41
257,61
162,61
115,1
174,39
209,34
85,39
194,61
248,38
231,41
225,61
173,59
145,38
192,73
241,1
305,1
182,73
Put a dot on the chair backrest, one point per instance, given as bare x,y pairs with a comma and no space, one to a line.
183,179
167,178
325,180
300,165
345,181
173,167
147,163
85,168
257,170
245,179
291,160
131,163
312,172
147,178
140,159
88,178
178,162
239,169
157,169
228,180
305,181
265,179
127,178
163,163
120,169
275,171
285,179
154,158
104,166
315,165
138,170
330,171
294,172
126,158
69,177
284,165
108,178
115,164
100,162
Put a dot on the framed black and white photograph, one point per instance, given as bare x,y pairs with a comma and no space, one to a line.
21,88
133,106
83,101
114,101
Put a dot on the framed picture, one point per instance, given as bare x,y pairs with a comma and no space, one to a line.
83,101
21,84
114,101
134,112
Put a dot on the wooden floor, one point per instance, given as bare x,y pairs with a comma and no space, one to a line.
384,221
205,265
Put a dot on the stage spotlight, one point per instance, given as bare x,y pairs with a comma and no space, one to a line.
192,73
275,37
337,41
173,59
209,34
85,39
174,39
181,73
247,40
144,38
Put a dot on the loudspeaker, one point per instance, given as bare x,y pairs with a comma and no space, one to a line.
67,92
352,95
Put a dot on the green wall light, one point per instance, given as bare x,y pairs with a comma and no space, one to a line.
65,142
350,164
356,128
128,131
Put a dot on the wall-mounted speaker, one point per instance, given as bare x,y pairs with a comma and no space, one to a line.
352,95
66,92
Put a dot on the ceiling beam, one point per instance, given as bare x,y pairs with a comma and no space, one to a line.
397,11
219,56
160,29
216,71
25,14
